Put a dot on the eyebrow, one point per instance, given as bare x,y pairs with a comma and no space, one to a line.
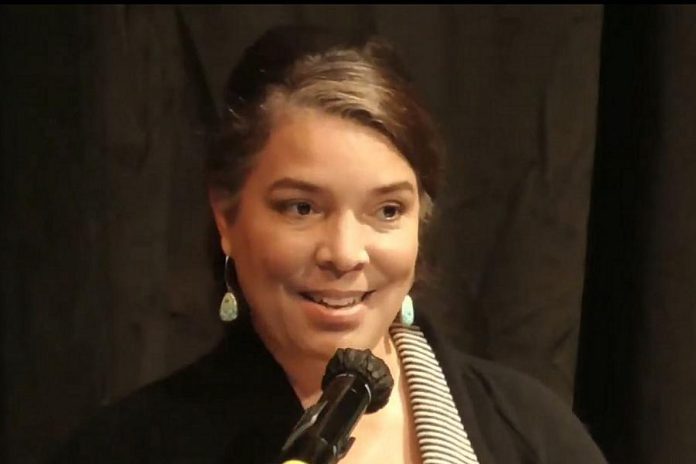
395,187
296,184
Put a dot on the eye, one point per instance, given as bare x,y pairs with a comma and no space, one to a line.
295,208
301,208
390,212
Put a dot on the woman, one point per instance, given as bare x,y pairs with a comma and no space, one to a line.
322,178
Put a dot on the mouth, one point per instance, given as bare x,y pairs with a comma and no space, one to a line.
336,300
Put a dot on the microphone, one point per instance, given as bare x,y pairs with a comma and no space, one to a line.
355,382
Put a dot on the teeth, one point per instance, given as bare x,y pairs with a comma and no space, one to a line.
335,302
339,302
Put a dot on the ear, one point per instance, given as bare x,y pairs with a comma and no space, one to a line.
222,203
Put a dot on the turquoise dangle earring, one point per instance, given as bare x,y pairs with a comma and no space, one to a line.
228,308
407,313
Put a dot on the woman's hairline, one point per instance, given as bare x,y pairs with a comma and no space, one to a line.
280,105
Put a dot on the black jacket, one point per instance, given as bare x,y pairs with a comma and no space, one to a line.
235,405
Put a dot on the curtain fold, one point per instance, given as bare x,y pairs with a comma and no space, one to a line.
110,269
637,370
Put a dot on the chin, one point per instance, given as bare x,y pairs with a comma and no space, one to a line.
324,345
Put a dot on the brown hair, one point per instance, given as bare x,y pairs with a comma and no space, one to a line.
358,77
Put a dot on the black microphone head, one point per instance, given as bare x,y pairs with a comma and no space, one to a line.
368,366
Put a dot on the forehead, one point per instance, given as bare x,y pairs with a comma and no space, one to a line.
328,149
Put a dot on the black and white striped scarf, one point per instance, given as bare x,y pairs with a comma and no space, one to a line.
439,429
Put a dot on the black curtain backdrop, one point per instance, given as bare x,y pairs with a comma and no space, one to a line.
568,200
636,377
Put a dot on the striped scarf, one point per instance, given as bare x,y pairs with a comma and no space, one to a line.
439,429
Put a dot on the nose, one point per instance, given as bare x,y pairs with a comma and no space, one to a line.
343,247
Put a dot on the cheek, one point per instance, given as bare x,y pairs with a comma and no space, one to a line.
396,256
278,253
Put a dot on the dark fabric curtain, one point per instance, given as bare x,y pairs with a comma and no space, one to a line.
567,200
636,377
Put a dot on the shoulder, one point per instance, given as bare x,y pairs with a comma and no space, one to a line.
511,390
233,402
539,422
172,417
515,414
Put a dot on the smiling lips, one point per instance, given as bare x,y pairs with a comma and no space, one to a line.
336,300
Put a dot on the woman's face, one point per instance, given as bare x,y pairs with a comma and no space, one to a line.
325,237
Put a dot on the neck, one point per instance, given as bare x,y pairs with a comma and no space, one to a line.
305,373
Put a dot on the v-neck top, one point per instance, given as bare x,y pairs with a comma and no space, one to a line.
236,405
